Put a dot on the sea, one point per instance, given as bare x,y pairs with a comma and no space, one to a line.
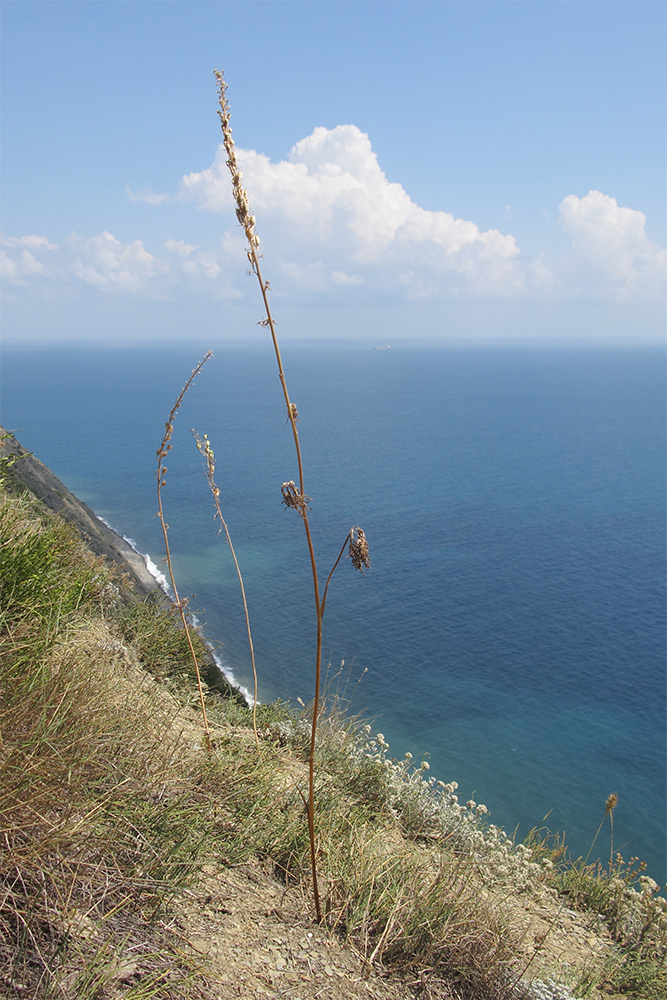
511,628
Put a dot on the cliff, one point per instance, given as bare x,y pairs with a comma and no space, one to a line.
28,471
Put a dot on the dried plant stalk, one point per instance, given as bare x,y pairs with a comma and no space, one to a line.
161,453
293,496
204,446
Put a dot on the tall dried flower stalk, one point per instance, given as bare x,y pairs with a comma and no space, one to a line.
204,446
609,807
293,495
162,451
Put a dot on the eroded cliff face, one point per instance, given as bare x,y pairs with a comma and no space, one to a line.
28,471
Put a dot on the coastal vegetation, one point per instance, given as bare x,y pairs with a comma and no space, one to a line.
143,813
113,814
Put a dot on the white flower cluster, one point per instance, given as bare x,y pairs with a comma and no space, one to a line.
548,989
428,807
295,732
639,914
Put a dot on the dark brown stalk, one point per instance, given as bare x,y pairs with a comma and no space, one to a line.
160,474
292,496
248,222
292,414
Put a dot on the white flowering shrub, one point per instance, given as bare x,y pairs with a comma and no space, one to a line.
549,989
628,900
429,809
355,767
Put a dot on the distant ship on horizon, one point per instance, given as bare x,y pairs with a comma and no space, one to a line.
387,348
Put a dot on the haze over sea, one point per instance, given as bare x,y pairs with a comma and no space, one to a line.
513,623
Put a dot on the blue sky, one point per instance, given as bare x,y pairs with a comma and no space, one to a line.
465,170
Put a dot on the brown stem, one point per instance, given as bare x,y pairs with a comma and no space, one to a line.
247,220
340,556
206,450
247,622
319,610
161,470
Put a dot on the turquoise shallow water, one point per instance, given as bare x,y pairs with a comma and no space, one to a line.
512,625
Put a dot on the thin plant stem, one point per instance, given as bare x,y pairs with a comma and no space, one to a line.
292,496
248,222
597,834
204,447
165,447
333,570
292,413
358,553
610,805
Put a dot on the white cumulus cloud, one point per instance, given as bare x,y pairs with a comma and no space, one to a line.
106,262
179,247
148,195
332,210
32,242
18,262
611,254
335,228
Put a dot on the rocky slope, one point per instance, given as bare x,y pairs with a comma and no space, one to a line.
102,540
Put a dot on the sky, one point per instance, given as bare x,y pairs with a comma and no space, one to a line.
455,170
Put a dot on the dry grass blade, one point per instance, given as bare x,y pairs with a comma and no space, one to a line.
204,446
163,450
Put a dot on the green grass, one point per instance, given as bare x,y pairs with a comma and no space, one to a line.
92,846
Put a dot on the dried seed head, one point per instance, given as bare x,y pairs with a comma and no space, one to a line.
292,497
358,549
240,194
611,803
204,446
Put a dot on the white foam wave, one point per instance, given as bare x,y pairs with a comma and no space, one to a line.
155,572
150,565
230,678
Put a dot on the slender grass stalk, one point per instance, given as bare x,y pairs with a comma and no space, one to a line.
293,496
161,453
204,446
610,805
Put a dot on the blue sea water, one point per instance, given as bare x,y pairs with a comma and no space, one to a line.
513,623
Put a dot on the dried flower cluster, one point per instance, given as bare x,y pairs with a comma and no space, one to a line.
292,497
165,446
205,448
240,194
358,549
610,804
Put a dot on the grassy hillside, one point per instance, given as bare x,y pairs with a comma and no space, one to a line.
136,863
